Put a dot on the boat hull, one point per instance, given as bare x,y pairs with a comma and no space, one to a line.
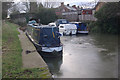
83,32
51,54
47,51
69,32
51,49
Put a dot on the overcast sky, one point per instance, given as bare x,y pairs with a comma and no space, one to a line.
65,1
81,3
71,2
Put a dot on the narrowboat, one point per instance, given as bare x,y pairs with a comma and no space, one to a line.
45,38
65,28
81,27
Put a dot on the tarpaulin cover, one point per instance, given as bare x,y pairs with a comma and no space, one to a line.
49,36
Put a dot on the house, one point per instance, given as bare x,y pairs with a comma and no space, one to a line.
73,13
87,15
68,12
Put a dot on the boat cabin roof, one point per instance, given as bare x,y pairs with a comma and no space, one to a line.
75,22
42,26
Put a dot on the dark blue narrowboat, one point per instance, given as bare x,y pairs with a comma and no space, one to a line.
45,38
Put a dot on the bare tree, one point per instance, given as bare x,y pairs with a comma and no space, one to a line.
27,4
88,4
49,4
5,7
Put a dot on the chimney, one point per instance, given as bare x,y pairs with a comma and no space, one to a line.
67,4
62,3
74,6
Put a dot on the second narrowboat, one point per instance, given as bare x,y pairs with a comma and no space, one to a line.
81,27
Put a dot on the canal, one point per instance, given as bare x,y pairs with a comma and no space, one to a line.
86,56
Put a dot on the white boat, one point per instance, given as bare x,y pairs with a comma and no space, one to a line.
52,24
67,29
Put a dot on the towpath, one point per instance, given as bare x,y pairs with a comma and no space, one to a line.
31,59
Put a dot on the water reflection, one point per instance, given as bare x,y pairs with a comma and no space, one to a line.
54,64
107,44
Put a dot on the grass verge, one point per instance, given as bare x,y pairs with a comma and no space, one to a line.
12,58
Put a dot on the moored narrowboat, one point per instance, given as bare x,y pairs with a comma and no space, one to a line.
46,39
81,27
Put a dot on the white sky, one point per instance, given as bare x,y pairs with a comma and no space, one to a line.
66,1
83,3
71,2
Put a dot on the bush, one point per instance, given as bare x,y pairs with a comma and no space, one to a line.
107,19
46,15
93,27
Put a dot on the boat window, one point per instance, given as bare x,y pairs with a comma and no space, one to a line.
52,25
61,26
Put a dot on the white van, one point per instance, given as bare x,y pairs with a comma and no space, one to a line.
67,29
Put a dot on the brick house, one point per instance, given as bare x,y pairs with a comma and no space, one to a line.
73,13
87,15
68,12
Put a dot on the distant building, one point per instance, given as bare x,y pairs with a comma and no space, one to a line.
87,15
67,12
73,13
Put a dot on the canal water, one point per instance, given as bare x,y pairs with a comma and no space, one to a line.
86,56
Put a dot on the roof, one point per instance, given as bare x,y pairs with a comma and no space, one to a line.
70,8
42,26
75,22
60,19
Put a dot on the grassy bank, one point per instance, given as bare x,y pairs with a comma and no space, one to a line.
12,58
